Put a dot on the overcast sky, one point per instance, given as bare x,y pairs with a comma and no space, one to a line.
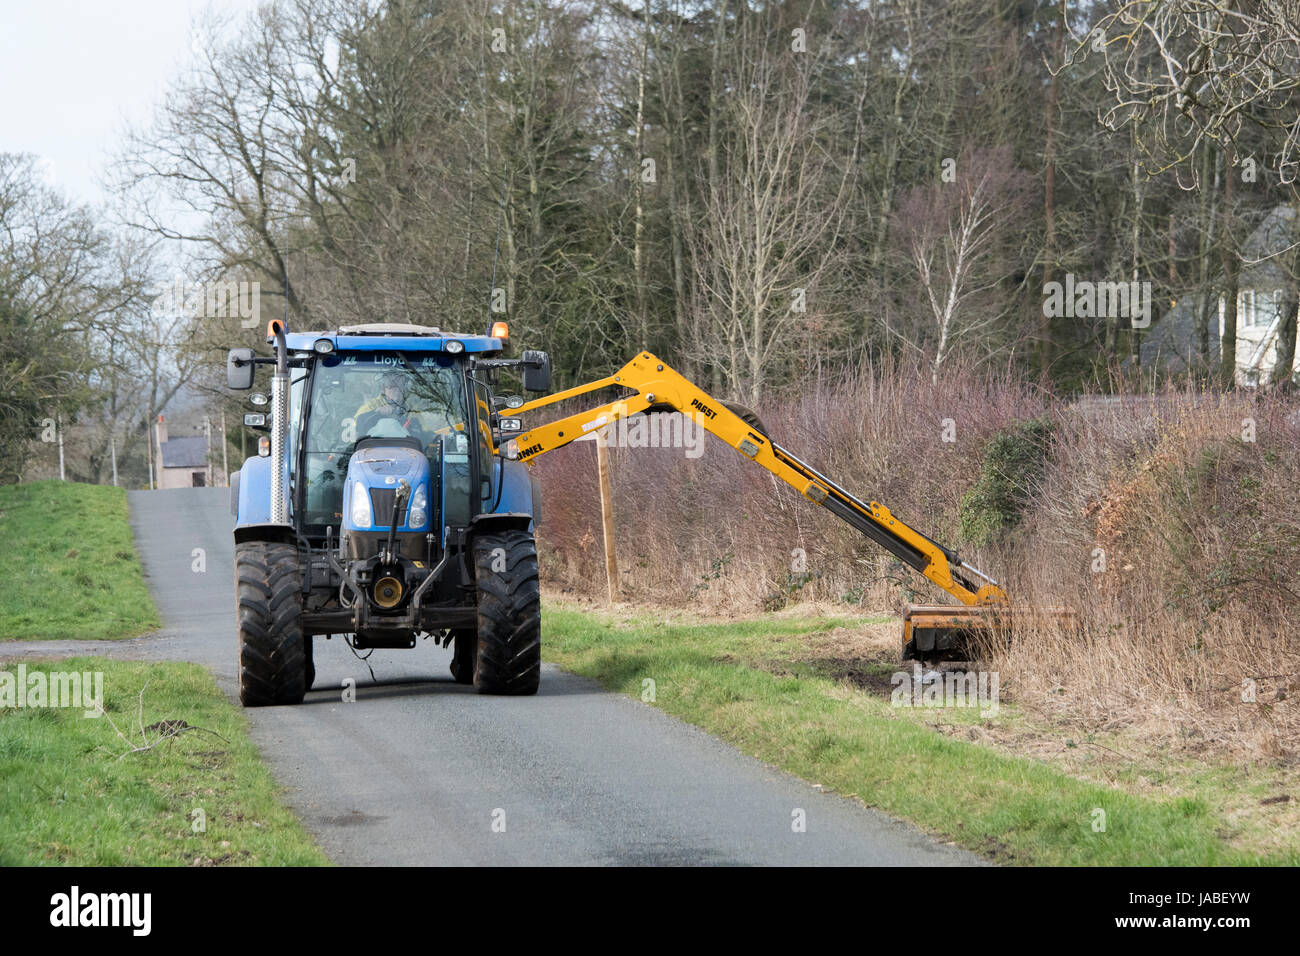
72,73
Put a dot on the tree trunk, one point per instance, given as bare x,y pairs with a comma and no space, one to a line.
1283,369
1231,266
638,239
1135,341
1049,197
1205,246
887,188
719,32
675,138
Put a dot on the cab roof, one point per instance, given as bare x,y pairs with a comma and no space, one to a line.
391,337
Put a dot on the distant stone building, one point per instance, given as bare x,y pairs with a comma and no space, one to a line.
183,461
1171,343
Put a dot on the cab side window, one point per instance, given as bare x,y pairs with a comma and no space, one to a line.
483,418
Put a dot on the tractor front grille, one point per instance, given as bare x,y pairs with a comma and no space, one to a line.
381,503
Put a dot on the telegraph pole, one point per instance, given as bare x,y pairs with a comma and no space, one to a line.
207,431
225,462
157,432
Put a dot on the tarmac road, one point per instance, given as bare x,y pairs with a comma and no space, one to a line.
422,771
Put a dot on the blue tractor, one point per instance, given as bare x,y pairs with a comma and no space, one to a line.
386,504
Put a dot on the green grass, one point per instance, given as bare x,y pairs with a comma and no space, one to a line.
69,564
719,676
71,793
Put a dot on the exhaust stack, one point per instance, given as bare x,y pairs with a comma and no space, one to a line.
279,425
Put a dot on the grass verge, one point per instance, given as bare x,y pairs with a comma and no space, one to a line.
71,792
745,682
69,565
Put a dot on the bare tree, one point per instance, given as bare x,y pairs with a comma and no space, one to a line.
951,234
1185,70
769,222
51,296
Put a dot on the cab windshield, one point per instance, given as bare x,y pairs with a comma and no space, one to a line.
376,395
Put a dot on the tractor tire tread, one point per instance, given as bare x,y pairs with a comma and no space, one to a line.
272,651
509,645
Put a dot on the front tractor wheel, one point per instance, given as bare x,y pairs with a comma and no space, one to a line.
272,652
509,645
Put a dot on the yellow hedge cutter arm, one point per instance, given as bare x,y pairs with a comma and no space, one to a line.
927,631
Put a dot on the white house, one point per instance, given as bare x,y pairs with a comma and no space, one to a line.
1171,343
1259,317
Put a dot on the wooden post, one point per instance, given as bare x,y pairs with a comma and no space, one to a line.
157,432
207,431
607,515
148,444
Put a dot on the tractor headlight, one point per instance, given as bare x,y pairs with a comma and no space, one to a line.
360,506
419,512
454,346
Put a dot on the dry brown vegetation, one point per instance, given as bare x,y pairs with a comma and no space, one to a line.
1189,499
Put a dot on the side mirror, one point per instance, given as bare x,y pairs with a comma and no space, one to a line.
239,369
537,371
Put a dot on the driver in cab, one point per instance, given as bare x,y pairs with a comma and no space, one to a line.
394,402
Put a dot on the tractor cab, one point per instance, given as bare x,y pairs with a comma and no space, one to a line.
376,418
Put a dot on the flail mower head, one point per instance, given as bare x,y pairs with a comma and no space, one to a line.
934,633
